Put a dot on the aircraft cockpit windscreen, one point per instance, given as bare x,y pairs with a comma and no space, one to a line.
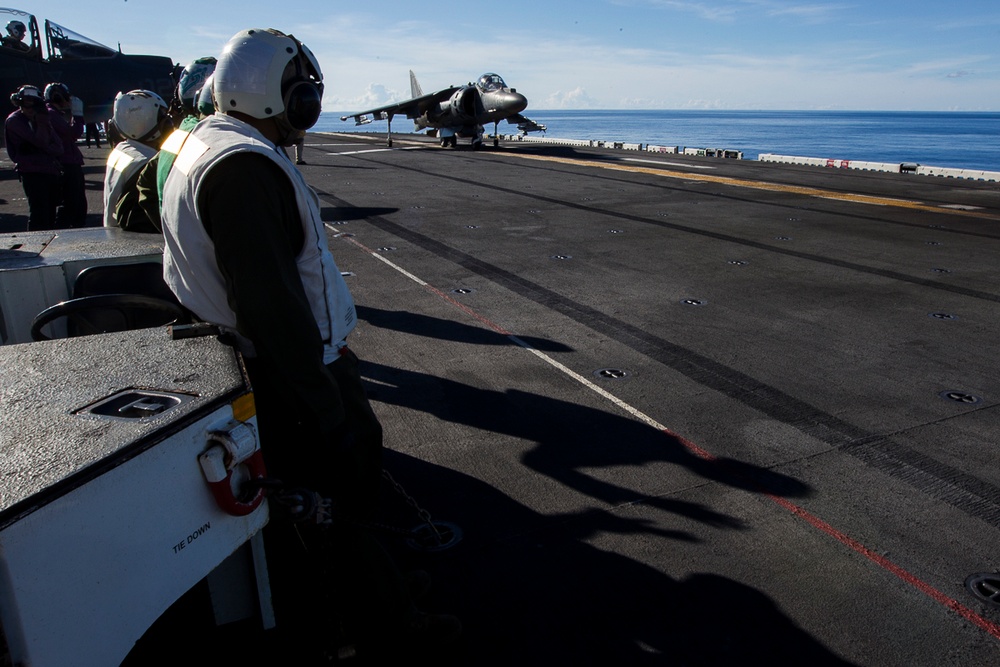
18,31
64,43
490,82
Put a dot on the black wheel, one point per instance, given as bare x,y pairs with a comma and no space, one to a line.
106,313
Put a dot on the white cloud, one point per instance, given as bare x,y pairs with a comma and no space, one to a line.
574,99
808,13
702,58
376,95
728,12
710,11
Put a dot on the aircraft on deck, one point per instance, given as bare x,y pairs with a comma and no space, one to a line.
457,111
93,72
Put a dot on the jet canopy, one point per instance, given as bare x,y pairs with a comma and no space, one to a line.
66,44
489,83
60,43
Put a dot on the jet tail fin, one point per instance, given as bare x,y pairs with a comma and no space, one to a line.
415,90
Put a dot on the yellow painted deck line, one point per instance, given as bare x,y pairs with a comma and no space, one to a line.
761,185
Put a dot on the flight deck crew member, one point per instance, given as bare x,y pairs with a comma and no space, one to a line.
141,117
138,209
246,249
73,210
34,147
93,132
299,147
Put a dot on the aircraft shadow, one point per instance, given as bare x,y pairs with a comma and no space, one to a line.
435,327
539,597
531,588
569,438
549,598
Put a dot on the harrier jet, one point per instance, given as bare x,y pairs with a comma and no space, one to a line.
93,72
458,111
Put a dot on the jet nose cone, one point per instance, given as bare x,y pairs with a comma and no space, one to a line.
514,102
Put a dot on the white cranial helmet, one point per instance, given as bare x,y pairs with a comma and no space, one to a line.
253,77
139,114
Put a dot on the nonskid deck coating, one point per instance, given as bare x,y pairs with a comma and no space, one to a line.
811,498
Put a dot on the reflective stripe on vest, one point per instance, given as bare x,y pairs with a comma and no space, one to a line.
125,161
119,160
168,153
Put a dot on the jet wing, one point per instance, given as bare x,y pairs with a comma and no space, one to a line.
412,108
525,124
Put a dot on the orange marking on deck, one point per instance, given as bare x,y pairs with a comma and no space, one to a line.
805,191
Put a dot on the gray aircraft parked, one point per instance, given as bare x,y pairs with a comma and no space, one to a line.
93,72
457,111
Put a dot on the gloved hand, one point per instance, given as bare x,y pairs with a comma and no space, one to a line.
296,504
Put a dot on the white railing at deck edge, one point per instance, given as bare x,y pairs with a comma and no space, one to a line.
892,167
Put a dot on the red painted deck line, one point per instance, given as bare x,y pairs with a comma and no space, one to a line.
883,562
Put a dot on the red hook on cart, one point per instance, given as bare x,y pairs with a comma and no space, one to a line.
232,459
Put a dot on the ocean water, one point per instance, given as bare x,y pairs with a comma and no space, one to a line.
958,140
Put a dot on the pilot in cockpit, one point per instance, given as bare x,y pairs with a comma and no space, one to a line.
490,82
14,39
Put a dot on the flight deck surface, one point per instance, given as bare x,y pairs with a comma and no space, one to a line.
686,411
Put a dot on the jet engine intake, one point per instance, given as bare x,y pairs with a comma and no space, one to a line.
465,104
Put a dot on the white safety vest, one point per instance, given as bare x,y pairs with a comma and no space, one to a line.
189,264
125,161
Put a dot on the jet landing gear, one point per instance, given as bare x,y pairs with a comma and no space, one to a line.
449,137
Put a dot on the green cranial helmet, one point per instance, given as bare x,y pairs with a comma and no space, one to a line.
193,80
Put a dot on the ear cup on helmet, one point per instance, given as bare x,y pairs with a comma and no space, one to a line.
57,93
27,95
303,104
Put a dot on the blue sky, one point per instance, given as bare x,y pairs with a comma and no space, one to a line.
603,54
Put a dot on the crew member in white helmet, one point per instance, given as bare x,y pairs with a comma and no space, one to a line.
141,117
245,249
138,209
